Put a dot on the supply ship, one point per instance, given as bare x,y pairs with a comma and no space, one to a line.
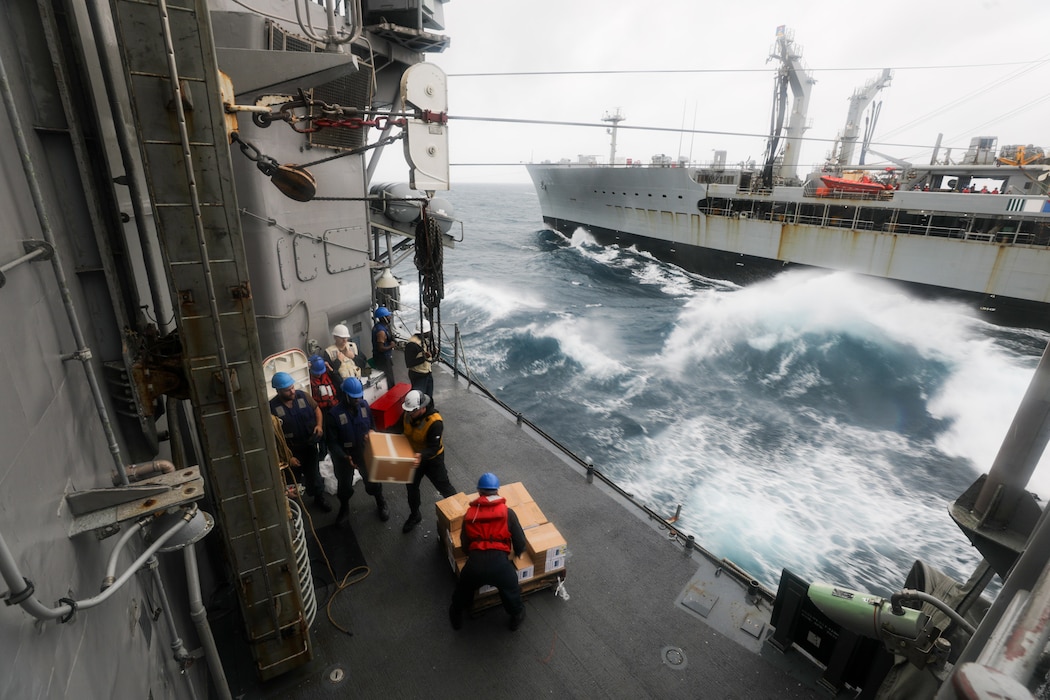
977,228
188,198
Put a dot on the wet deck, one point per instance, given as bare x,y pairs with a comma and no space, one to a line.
622,634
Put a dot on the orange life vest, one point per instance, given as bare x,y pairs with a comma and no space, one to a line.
486,523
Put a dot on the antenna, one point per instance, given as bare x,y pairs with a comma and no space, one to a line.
614,119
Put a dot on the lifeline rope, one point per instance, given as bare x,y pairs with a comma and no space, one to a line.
361,571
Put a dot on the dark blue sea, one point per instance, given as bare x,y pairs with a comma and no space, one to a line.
818,421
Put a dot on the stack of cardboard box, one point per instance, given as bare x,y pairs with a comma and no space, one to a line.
546,549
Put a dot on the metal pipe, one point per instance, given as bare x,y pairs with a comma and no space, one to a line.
133,176
36,253
21,589
182,657
175,437
200,620
111,566
143,470
37,196
1021,450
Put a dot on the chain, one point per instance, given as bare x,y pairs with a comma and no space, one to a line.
265,163
336,116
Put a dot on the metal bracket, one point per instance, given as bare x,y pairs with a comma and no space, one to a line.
99,508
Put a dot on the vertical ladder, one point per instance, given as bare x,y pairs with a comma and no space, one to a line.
169,61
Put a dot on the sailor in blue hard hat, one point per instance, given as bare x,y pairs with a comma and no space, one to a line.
347,426
301,422
490,533
383,345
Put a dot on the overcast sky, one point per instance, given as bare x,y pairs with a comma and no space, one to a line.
961,69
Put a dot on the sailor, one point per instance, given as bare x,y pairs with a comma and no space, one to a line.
423,427
491,531
301,421
419,353
383,345
322,388
347,426
342,354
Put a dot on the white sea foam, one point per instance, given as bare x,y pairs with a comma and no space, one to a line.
495,301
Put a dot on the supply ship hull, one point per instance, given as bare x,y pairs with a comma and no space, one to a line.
990,248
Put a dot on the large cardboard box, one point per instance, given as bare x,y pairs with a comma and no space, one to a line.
515,494
390,458
450,511
529,515
547,547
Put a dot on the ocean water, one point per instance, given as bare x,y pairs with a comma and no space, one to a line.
818,421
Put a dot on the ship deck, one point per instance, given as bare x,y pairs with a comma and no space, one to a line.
623,632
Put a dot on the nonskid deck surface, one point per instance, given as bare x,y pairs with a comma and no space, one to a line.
621,634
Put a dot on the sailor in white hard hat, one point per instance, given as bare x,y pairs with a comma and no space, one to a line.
423,427
342,353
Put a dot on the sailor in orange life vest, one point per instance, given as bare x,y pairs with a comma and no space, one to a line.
322,388
423,427
491,531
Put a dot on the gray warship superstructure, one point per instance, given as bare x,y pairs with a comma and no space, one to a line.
187,196
977,228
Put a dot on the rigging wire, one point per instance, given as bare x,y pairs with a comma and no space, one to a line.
546,122
673,71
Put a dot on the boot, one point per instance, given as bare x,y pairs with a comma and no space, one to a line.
321,504
516,620
344,513
382,510
414,519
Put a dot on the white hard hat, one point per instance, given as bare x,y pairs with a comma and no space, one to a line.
423,326
341,331
415,400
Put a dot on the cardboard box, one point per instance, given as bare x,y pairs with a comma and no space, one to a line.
457,563
515,494
450,511
390,458
454,543
526,569
387,411
529,515
552,562
547,547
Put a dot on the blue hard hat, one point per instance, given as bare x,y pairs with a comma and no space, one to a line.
382,312
352,388
282,380
317,365
488,481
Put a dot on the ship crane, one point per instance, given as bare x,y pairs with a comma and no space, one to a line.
790,74
842,153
